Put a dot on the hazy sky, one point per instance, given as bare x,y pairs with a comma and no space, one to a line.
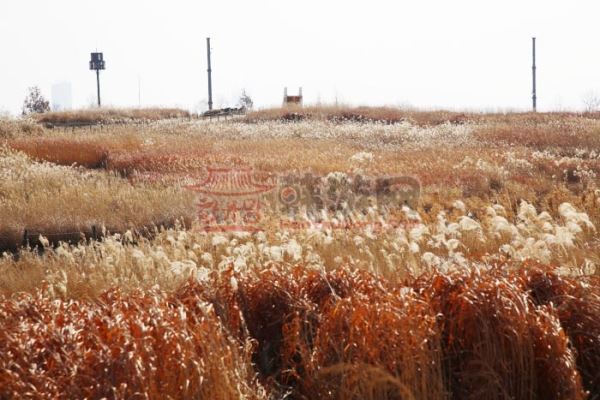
452,54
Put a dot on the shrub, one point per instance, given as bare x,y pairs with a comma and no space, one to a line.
35,102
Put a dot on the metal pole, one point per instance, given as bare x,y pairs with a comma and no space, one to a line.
534,97
210,102
98,85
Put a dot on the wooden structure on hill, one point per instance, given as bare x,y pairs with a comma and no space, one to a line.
292,100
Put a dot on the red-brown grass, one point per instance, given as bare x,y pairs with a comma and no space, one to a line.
276,298
577,304
120,347
223,297
63,151
348,334
497,344
85,151
345,334
388,348
341,334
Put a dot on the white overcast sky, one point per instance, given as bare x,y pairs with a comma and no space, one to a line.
461,54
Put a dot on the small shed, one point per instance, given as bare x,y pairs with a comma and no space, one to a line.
292,100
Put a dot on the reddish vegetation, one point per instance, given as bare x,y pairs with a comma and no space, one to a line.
142,345
497,343
577,305
85,151
63,151
490,334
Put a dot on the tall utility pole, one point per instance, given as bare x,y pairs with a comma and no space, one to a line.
533,68
98,87
210,102
97,63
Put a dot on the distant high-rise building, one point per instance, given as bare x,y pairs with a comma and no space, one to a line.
62,97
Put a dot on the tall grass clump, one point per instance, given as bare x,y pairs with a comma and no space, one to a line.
576,301
336,335
497,343
387,349
142,345
19,127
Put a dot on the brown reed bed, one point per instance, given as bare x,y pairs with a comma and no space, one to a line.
305,333
336,335
349,334
576,302
85,150
143,345
497,343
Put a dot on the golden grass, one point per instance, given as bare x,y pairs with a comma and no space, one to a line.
63,203
489,290
110,115
476,167
391,115
341,114
13,127
563,135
